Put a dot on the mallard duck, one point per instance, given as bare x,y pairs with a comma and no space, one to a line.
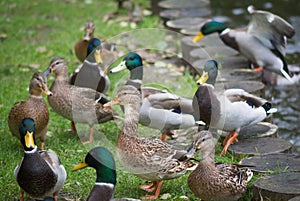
34,107
108,53
216,181
148,158
89,73
82,45
158,107
102,160
40,174
263,42
78,104
228,110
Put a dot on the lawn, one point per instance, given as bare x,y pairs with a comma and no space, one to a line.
31,33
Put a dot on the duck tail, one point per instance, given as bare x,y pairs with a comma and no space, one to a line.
268,108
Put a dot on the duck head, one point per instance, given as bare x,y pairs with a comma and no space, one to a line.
57,66
102,160
38,84
88,31
94,51
27,129
209,28
209,74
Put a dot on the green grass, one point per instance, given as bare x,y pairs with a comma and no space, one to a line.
35,31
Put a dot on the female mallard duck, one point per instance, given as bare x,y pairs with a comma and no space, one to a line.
227,110
215,181
263,42
78,104
103,162
34,107
108,53
89,73
147,158
158,106
40,174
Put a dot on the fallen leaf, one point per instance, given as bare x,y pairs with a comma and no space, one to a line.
34,66
41,49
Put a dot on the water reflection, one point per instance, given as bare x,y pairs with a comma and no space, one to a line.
284,97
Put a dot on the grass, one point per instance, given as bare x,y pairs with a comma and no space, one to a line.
33,32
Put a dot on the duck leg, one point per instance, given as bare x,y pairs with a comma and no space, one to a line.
157,192
229,139
91,136
42,145
149,188
21,194
166,134
73,127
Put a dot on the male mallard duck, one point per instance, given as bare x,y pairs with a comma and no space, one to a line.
103,162
263,42
34,107
147,158
89,73
40,174
216,181
158,106
78,104
227,110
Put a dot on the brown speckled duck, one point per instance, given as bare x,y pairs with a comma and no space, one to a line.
212,181
263,43
34,107
102,160
147,158
40,173
78,104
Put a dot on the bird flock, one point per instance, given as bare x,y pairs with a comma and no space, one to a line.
81,98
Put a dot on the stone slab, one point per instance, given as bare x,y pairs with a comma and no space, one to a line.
169,4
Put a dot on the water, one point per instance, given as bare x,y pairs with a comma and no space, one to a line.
284,97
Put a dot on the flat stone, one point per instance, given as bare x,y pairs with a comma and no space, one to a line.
239,74
277,187
169,4
171,14
254,87
295,199
259,146
178,24
273,162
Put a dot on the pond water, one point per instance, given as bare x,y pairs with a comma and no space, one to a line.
285,98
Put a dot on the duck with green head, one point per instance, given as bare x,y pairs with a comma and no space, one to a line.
102,160
158,106
34,107
263,42
40,174
227,110
90,73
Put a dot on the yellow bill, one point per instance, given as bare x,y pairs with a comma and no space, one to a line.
198,37
29,141
80,166
204,77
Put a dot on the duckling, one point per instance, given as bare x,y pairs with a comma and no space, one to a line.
34,107
215,181
78,104
158,106
102,160
228,110
40,174
90,74
148,158
263,42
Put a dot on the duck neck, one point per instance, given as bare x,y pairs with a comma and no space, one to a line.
136,74
131,120
208,156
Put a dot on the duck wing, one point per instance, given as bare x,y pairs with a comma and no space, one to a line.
240,95
270,29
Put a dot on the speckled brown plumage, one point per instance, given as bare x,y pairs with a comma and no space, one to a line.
34,107
216,181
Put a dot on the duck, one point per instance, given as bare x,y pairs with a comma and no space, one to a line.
160,109
81,47
39,173
102,160
227,110
90,73
147,158
263,42
77,104
216,181
34,107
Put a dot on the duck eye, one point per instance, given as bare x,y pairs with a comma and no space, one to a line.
57,63
131,58
203,139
